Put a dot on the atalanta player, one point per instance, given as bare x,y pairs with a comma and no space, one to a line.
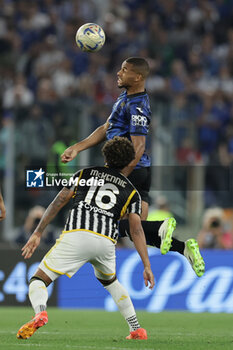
130,117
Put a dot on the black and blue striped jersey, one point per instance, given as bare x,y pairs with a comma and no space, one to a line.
131,115
101,197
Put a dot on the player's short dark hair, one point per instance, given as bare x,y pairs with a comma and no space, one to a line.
118,152
140,65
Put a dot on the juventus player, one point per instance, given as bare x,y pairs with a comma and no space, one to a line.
90,235
130,118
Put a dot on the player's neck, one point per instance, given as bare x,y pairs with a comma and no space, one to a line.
135,89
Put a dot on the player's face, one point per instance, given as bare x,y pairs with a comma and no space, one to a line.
126,76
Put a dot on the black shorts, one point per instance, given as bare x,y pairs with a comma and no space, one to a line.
141,179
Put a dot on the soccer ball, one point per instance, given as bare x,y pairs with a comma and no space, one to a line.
90,37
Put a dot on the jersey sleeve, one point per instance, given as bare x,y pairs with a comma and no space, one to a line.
139,119
135,205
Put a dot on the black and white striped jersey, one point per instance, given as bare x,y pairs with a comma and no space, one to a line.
101,197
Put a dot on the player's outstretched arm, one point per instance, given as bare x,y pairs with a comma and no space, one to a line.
60,200
138,238
2,208
95,138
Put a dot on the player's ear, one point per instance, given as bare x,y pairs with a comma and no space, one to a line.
139,77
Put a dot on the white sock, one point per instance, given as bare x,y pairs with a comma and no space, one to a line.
124,303
38,295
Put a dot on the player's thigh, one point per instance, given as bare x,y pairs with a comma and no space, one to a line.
145,210
141,179
70,252
104,263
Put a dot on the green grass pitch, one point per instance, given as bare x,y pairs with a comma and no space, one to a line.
75,329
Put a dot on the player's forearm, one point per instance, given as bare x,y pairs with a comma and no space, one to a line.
55,206
138,238
95,138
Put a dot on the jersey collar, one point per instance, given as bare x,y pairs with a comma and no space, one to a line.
138,94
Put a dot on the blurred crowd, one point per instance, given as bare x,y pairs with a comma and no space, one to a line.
46,81
188,43
216,230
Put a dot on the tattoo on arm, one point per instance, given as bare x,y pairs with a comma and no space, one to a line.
55,206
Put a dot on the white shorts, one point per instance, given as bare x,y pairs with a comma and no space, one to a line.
73,249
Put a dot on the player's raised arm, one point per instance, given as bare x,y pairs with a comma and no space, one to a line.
2,208
138,238
55,206
95,138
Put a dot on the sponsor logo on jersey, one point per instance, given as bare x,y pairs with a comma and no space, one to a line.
139,120
139,109
94,209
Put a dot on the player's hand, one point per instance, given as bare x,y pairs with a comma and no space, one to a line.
149,278
69,154
31,245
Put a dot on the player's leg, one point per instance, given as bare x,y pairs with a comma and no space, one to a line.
125,306
38,296
104,268
189,248
141,179
145,209
159,234
193,255
65,257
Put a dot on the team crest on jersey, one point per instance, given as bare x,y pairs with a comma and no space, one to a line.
122,104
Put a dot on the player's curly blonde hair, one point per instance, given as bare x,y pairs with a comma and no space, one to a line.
118,152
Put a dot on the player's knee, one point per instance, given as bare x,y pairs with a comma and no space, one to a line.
42,276
107,282
37,278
